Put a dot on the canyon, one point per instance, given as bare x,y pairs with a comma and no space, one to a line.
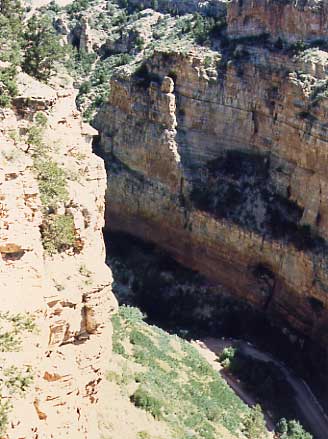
209,144
220,159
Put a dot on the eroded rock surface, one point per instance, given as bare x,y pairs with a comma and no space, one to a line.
291,20
69,294
224,165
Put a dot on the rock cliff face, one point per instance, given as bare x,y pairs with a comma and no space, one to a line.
291,20
224,163
68,295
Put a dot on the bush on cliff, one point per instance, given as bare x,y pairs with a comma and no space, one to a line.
42,48
58,230
58,233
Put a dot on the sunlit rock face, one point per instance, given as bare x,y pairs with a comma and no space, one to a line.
69,294
291,20
224,163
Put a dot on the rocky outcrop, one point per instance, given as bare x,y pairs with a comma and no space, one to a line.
135,36
206,7
68,295
224,165
290,20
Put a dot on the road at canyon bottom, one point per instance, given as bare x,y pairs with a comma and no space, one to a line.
308,404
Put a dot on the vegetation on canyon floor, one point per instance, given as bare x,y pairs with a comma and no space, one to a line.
174,383
166,376
186,305
268,385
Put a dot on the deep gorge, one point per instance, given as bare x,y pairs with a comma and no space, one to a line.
232,212
208,157
210,117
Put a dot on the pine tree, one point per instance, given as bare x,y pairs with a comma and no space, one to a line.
10,48
11,8
42,48
254,424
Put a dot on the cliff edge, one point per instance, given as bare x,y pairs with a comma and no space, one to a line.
56,297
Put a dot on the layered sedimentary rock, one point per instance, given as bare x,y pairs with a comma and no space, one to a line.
224,164
291,20
67,295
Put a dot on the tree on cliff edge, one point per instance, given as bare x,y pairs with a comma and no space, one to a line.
42,48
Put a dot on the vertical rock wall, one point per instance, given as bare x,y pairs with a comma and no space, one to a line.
68,295
227,169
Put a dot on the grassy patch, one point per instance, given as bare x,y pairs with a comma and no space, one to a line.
52,183
176,385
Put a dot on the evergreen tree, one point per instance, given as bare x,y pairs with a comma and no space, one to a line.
291,430
42,48
10,48
11,9
254,424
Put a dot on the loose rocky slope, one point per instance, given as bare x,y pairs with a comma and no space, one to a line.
221,159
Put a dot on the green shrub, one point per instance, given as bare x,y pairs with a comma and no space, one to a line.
143,399
5,407
139,338
58,233
131,315
10,339
41,119
227,356
35,137
291,430
18,381
52,183
77,6
8,86
14,382
85,87
205,28
5,100
254,424
54,7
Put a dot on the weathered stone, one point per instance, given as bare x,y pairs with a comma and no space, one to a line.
255,111
167,85
69,353
290,20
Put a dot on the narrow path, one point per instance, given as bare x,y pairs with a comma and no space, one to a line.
308,404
